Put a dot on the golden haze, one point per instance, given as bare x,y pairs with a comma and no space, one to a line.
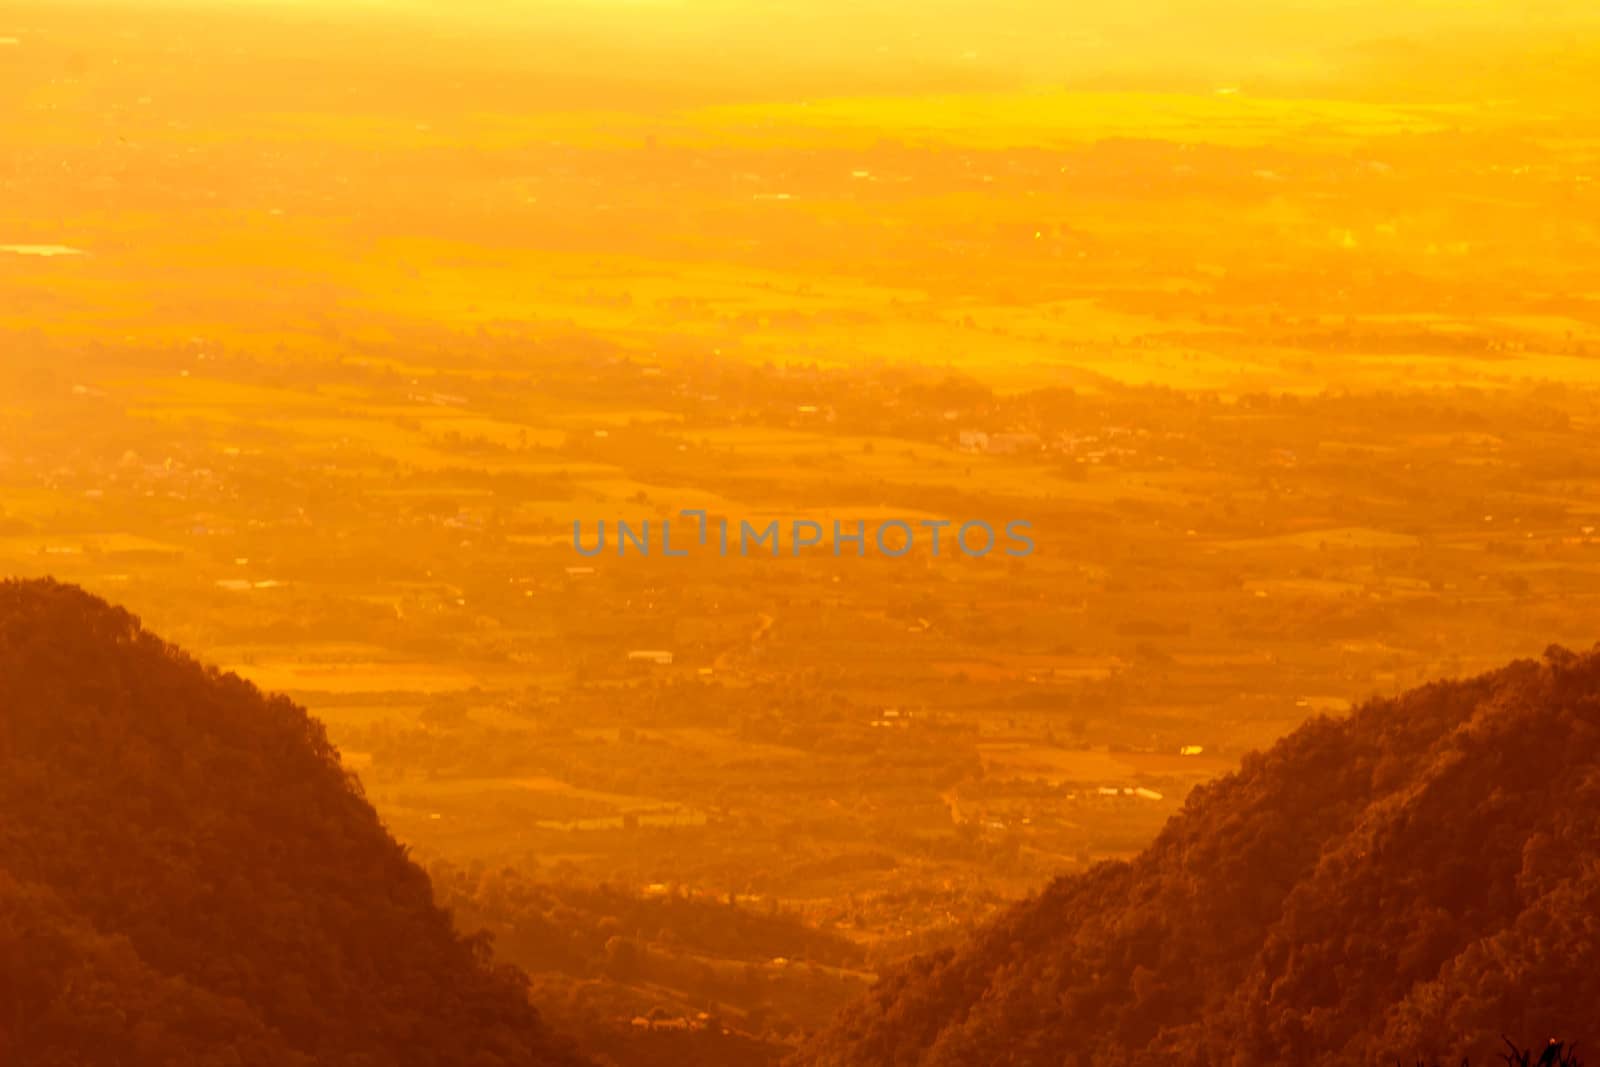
322,322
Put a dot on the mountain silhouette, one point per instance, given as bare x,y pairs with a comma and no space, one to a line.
188,876
1406,884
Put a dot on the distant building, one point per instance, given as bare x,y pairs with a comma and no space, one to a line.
660,658
1007,444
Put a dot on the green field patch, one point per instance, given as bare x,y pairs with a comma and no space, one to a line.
1332,537
1013,760
551,803
85,545
357,676
493,431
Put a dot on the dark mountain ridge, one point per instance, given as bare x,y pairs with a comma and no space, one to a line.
188,876
1410,882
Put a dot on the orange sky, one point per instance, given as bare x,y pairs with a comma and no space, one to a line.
1004,41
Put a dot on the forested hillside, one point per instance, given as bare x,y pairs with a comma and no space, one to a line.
188,877
1410,882
660,977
